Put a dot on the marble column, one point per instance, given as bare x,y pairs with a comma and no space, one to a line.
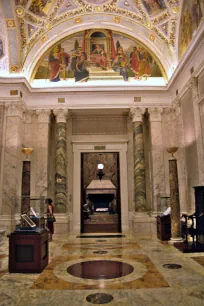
139,161
60,161
2,121
41,152
12,158
174,201
157,156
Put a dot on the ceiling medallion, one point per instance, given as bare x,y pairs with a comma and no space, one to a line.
20,11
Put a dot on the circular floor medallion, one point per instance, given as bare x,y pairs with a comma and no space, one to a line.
100,269
100,252
172,266
99,298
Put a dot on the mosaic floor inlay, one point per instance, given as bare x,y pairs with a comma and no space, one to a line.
100,269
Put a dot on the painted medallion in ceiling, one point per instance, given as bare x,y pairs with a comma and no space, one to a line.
98,55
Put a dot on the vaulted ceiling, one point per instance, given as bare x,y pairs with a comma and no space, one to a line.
29,27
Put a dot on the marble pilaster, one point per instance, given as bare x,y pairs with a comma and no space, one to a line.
12,157
198,129
60,161
174,201
2,111
42,152
139,161
181,158
157,155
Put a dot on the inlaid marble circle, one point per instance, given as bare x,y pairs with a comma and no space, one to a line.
100,269
172,266
99,298
95,271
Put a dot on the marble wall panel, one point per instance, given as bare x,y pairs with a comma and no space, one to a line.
12,162
99,125
158,171
191,153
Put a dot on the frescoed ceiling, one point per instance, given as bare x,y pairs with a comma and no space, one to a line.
29,23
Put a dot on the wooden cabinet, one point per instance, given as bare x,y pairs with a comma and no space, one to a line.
163,227
28,251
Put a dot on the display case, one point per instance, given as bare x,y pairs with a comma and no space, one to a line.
30,213
28,244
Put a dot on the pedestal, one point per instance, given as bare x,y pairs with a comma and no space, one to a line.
28,251
163,227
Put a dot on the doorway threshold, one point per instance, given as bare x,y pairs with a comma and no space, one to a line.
101,236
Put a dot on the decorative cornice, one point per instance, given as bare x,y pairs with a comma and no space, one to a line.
155,113
136,113
61,115
43,115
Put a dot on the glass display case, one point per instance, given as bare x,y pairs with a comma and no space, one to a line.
30,213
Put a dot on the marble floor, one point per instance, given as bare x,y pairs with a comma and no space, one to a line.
107,271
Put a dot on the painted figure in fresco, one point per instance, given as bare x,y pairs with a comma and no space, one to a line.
54,65
196,13
40,7
76,57
153,6
186,30
135,62
64,61
99,57
120,63
81,73
144,65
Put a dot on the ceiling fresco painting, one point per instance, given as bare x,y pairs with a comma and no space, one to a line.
98,55
167,24
192,15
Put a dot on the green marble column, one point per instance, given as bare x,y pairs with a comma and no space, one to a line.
139,160
60,162
139,167
174,201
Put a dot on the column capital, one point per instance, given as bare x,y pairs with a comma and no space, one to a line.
27,115
136,113
15,109
155,113
194,87
61,115
43,115
176,106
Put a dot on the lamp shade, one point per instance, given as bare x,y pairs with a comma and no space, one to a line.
100,166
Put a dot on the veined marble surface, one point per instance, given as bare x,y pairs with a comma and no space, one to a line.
149,284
